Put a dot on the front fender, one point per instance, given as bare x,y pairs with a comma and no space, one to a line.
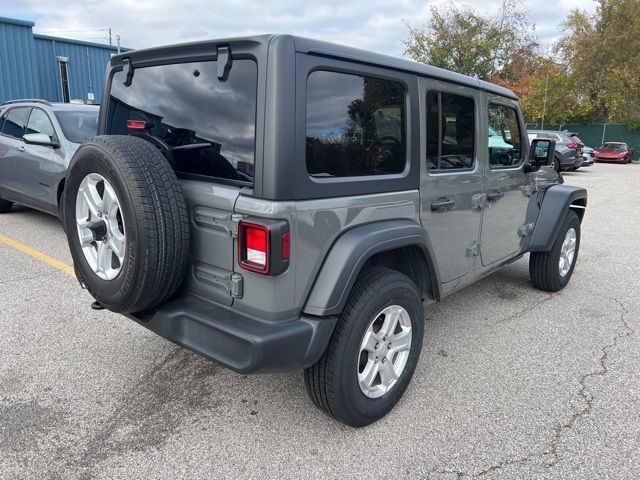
555,205
350,252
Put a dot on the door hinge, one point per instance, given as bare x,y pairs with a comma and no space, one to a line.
525,229
479,200
473,250
231,283
218,220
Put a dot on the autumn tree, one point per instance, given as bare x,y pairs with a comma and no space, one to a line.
601,52
460,39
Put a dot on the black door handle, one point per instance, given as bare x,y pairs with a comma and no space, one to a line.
494,195
442,204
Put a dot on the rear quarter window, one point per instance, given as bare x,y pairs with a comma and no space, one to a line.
355,125
208,124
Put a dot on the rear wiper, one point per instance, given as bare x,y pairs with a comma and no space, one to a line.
224,63
127,69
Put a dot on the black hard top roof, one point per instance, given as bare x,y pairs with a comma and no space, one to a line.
318,47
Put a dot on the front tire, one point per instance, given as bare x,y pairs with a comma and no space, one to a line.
373,352
551,271
556,165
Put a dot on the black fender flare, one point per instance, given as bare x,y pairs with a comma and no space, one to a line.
557,201
350,252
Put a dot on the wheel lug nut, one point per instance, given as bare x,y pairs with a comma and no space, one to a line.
377,346
384,360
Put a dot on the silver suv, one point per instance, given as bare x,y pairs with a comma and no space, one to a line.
276,203
37,141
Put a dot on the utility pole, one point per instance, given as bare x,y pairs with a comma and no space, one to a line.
544,102
110,36
118,42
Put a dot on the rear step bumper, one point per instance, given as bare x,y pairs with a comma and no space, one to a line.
237,342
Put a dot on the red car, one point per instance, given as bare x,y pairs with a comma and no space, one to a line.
613,152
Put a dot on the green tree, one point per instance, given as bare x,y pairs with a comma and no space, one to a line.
458,38
601,52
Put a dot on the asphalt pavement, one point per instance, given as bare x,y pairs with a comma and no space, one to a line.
513,383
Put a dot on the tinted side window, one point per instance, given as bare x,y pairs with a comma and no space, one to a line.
505,149
450,131
39,123
209,124
356,125
14,122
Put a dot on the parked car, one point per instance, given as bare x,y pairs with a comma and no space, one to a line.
37,141
261,201
588,156
568,154
617,152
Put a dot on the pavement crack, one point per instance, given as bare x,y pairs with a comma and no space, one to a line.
552,450
588,398
528,308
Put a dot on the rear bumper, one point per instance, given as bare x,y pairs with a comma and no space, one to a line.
242,344
567,162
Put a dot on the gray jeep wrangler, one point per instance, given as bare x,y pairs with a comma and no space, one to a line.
276,203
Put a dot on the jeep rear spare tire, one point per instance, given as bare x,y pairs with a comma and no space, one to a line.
126,222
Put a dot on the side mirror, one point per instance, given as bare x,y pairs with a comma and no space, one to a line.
541,152
39,139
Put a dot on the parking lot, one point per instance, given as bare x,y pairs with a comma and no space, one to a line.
512,383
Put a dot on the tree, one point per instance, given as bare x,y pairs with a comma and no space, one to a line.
458,38
601,52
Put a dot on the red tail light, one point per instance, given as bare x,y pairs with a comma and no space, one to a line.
286,246
254,247
573,145
136,125
264,247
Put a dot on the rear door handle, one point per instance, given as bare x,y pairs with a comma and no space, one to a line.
494,195
21,148
442,204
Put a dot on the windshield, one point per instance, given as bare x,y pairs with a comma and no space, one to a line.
78,126
614,146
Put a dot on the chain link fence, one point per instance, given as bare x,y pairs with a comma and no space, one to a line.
595,135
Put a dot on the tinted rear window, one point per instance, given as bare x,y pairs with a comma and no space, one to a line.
209,124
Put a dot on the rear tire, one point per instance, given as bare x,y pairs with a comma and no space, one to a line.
147,260
337,383
548,271
5,205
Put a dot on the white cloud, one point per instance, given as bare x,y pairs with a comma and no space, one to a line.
376,25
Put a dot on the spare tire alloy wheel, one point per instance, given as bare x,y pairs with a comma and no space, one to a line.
384,351
100,226
126,222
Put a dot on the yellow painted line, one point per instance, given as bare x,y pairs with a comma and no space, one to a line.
32,252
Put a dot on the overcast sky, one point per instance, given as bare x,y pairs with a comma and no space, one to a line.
376,25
